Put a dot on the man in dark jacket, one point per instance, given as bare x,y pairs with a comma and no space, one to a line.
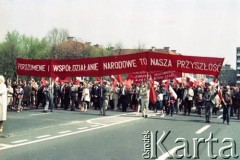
106,89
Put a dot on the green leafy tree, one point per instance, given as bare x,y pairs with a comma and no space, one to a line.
10,50
56,37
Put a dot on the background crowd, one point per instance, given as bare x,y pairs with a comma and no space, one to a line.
164,98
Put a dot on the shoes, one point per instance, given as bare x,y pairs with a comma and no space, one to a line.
228,123
146,116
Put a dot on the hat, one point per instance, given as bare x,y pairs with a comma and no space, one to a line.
2,79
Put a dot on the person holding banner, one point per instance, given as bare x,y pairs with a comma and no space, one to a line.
3,102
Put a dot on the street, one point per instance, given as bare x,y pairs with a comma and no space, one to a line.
74,135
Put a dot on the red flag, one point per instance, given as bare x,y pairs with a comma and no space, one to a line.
44,82
119,78
64,79
114,82
167,84
98,79
56,79
153,95
128,83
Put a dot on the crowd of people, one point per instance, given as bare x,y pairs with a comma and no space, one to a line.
120,97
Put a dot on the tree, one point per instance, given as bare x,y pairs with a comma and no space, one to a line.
16,45
35,48
56,37
10,50
119,47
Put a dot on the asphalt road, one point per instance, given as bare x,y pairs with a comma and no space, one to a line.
68,135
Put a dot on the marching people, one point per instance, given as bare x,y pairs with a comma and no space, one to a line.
227,104
116,97
34,92
171,103
56,94
15,95
139,97
188,99
19,98
160,102
85,97
3,102
106,89
145,95
123,93
96,95
46,92
9,96
238,103
134,97
74,96
80,91
199,100
165,93
27,91
209,101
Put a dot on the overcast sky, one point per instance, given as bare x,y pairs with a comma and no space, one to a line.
192,27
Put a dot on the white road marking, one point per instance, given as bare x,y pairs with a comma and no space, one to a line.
4,145
95,125
83,128
67,134
204,128
72,122
44,136
37,114
63,132
20,141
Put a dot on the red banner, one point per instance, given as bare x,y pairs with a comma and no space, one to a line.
154,75
76,67
34,67
114,65
187,64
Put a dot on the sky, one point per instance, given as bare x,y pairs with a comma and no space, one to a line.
192,27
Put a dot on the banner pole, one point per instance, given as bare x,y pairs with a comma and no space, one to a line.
17,79
51,94
103,108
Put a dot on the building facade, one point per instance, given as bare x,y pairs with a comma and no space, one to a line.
228,75
238,65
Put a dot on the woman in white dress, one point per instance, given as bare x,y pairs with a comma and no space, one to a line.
3,102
